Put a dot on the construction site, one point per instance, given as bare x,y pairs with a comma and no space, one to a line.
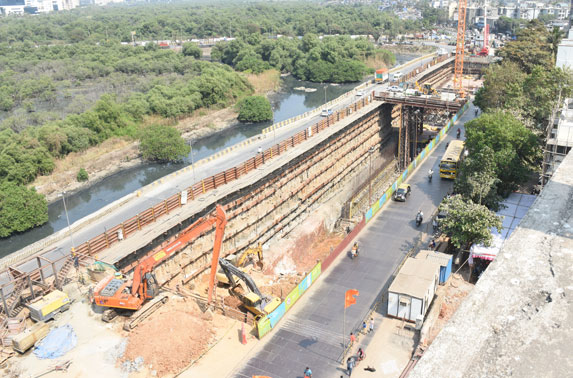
211,264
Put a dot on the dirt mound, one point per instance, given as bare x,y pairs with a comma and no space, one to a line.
171,338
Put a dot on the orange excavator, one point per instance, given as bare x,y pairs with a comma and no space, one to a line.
119,295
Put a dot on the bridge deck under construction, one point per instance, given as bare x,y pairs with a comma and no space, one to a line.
419,101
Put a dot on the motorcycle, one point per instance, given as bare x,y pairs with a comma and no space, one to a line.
354,253
430,174
458,134
418,220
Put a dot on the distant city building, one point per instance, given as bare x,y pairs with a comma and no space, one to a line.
19,7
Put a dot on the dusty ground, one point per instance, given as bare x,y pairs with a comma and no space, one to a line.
98,347
171,338
450,296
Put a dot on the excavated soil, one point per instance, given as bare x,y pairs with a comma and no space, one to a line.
171,338
454,293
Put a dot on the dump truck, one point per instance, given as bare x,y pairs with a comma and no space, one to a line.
381,75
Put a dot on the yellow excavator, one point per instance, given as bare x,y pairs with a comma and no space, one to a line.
240,261
427,89
255,301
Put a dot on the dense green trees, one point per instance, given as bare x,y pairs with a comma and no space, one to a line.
526,83
184,21
162,143
501,139
20,208
332,59
255,109
191,49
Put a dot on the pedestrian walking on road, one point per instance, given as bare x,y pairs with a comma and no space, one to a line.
371,325
350,365
435,224
352,339
364,327
307,373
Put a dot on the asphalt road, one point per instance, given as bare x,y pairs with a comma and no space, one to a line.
176,184
311,335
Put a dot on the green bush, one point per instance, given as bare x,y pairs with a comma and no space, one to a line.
163,144
20,208
82,175
191,49
255,109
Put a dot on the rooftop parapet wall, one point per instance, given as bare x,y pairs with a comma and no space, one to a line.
518,319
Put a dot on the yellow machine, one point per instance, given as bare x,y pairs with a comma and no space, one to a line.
426,89
49,306
255,301
241,260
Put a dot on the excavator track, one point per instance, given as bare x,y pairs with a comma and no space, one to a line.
144,312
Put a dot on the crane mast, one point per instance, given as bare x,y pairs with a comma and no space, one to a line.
460,45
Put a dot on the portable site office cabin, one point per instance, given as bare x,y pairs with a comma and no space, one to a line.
413,289
443,259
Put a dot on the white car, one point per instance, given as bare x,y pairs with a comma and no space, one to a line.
395,88
359,93
326,112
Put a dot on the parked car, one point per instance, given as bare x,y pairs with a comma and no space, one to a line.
394,88
326,112
402,193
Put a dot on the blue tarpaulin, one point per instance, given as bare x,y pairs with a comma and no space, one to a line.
58,342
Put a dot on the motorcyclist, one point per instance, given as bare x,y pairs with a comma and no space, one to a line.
459,132
430,174
355,250
419,217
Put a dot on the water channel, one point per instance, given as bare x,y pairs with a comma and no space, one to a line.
287,103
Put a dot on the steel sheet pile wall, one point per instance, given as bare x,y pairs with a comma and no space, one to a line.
105,240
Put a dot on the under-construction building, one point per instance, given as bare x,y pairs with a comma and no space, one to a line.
559,139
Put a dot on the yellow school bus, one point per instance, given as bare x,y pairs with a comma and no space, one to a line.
450,162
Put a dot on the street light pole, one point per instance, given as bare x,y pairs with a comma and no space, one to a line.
68,220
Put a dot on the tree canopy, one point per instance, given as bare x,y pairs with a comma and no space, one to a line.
513,148
162,143
255,109
467,222
20,208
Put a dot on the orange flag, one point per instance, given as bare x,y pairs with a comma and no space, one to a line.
349,297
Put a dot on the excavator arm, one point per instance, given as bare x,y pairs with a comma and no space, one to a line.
191,232
231,270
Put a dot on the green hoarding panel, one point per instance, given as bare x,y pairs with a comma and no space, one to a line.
263,326
291,298
315,272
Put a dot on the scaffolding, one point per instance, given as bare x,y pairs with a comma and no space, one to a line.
559,140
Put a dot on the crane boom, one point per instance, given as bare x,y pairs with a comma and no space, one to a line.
460,47
118,293
194,230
